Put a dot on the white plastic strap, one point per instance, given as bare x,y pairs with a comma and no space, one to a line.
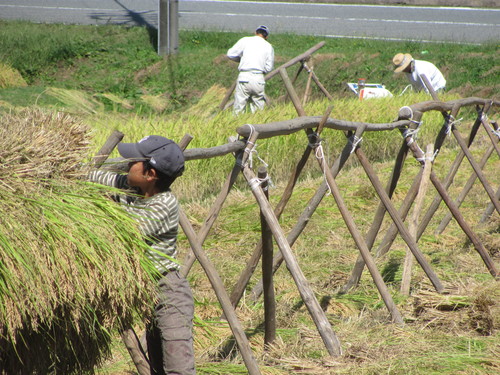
253,150
254,182
452,123
355,141
320,155
431,158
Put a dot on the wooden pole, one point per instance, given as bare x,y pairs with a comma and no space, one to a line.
330,340
403,231
476,168
292,93
358,239
418,153
318,83
308,211
107,148
131,342
222,296
267,269
378,218
412,227
427,84
465,190
307,91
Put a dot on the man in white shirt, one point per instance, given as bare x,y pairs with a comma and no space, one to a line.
413,69
256,57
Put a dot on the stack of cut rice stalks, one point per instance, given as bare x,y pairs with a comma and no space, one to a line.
72,266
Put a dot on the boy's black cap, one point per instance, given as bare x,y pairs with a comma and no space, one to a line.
162,153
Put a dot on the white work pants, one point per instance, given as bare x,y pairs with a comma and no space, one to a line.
250,89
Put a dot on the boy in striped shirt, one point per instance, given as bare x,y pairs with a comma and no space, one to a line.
154,164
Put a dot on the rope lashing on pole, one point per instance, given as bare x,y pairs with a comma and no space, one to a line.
355,141
453,123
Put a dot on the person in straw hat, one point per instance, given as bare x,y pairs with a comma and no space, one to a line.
414,69
256,58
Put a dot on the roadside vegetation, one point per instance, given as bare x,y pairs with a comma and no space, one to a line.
111,78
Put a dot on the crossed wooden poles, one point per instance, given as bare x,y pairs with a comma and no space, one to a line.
408,122
354,131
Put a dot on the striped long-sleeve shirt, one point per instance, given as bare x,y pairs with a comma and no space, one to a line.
158,218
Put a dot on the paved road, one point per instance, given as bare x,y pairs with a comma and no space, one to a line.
462,25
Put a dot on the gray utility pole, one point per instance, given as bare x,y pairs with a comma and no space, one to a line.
168,27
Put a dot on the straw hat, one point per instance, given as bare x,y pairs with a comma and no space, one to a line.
401,61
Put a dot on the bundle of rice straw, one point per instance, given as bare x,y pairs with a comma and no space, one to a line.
72,265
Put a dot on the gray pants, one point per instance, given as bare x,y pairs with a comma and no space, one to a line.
250,89
170,336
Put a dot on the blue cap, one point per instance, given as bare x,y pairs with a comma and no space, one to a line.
263,28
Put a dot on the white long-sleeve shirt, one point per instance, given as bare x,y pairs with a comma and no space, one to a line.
254,54
430,71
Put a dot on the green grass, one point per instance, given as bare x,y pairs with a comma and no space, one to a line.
123,61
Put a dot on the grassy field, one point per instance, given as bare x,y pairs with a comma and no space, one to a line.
112,78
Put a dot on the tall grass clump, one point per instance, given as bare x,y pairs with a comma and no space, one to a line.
72,268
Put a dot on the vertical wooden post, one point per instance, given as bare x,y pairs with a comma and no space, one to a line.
330,340
292,93
412,227
267,269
